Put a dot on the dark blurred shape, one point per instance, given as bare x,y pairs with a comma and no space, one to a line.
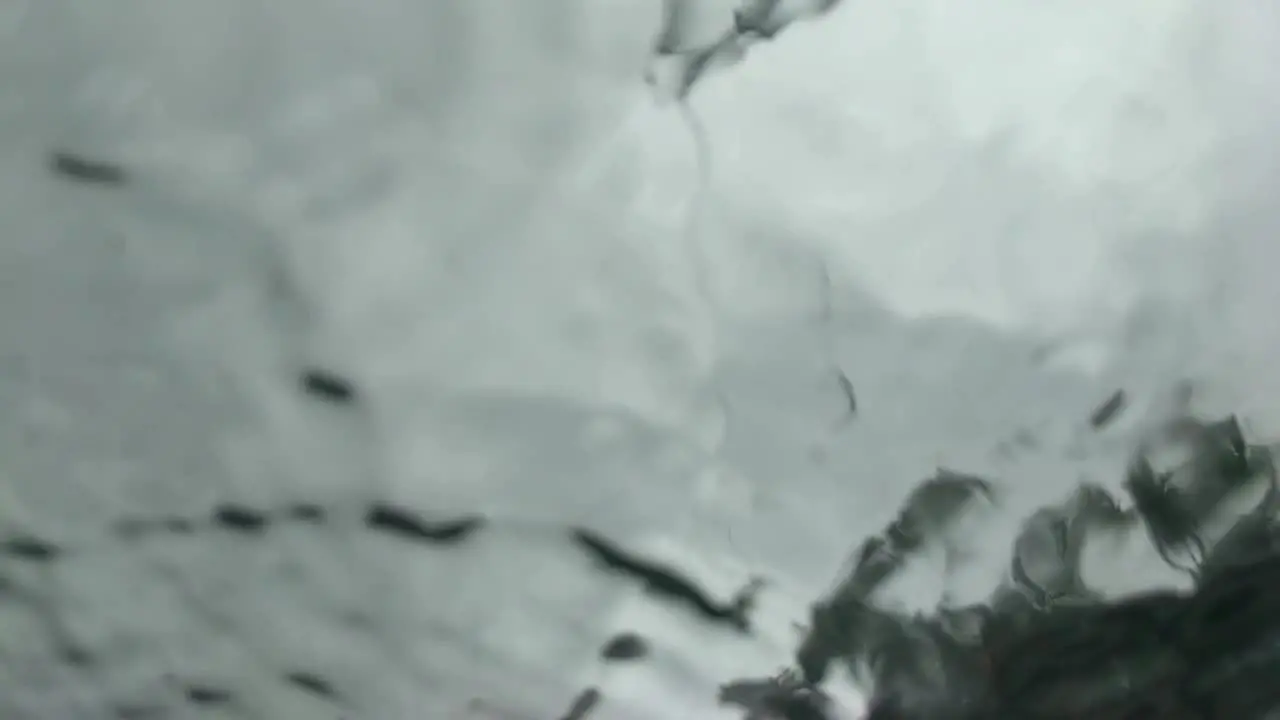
240,519
583,704
207,695
1175,504
85,170
776,699
1108,410
29,548
407,525
624,646
754,21
1212,653
668,583
313,684
1044,646
328,386
846,626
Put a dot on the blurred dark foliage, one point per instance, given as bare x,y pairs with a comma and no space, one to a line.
1047,647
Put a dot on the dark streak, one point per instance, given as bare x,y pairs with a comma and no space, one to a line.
665,582
206,695
846,387
81,169
623,647
827,315
328,386
583,704
1108,410
313,684
755,21
26,547
408,526
239,518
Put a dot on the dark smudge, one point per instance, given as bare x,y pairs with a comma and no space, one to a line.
30,548
624,647
668,583
240,518
770,698
313,684
407,525
1108,411
328,386
850,396
583,704
207,695
84,170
